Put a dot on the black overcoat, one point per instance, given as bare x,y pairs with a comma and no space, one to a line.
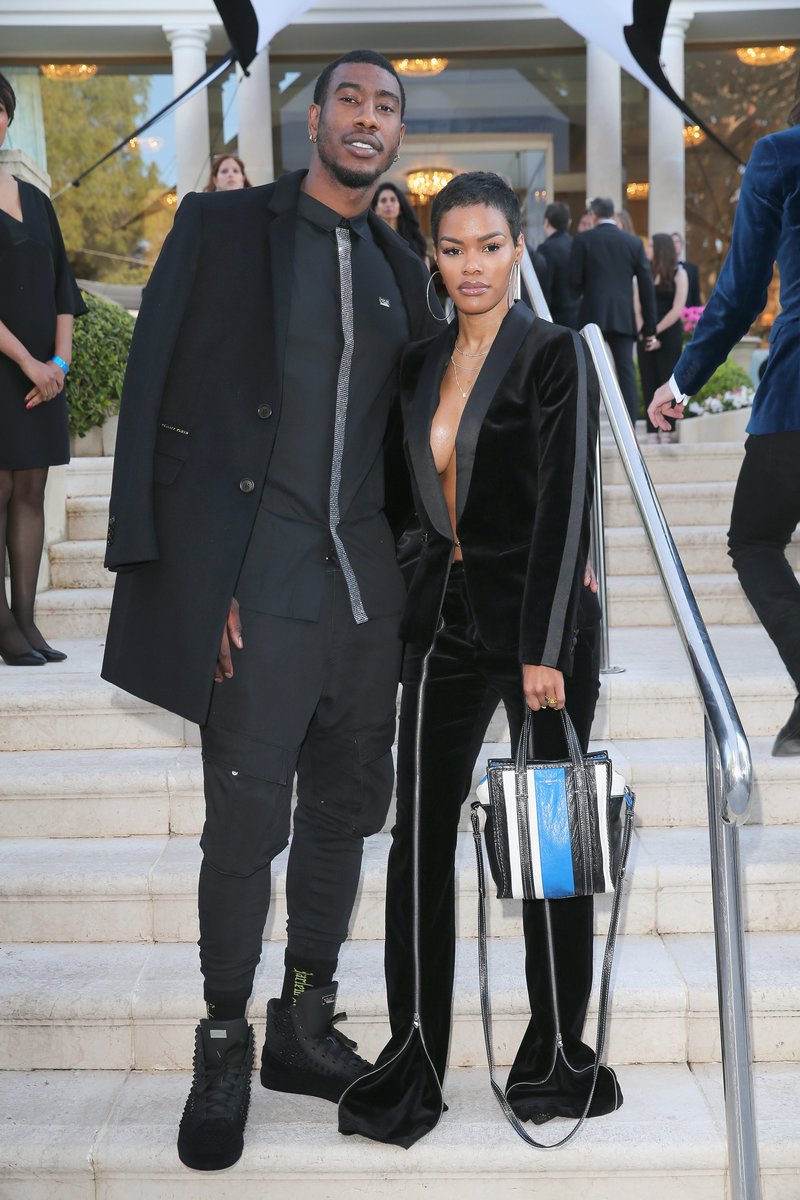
525,453
200,408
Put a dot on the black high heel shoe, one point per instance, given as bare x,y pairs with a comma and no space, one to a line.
31,658
50,654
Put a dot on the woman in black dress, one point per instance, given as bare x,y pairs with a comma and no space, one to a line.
392,207
38,302
672,287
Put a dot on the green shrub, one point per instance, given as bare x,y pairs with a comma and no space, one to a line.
728,377
100,348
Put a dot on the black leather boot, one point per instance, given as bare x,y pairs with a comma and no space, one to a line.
788,740
304,1053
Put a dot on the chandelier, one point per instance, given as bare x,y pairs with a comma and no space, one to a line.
637,191
693,135
426,182
419,66
68,72
764,56
169,199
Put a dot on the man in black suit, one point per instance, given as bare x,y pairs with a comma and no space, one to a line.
247,501
555,250
603,264
693,299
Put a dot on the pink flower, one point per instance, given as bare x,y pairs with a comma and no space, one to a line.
690,317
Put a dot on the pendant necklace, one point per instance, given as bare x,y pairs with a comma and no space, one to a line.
464,394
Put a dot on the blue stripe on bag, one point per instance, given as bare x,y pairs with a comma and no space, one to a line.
555,850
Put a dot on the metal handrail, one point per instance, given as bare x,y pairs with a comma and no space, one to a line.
729,768
728,780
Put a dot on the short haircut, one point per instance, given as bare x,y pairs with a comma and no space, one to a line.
356,56
558,215
7,98
602,207
679,236
477,187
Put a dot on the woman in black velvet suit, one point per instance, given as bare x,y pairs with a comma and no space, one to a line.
500,413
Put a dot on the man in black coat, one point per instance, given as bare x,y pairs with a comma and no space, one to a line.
555,250
604,262
258,592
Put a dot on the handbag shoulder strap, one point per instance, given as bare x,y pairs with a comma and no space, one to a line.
605,982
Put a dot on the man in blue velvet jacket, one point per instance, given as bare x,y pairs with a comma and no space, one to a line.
766,504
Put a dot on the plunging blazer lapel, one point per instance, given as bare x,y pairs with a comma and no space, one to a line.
509,338
418,435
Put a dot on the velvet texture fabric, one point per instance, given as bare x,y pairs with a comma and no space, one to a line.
525,456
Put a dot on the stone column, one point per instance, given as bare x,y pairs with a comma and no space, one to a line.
667,197
254,109
603,126
193,147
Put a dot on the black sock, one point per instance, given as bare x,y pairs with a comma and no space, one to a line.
225,1006
302,974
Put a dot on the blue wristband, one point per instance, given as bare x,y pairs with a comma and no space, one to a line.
60,363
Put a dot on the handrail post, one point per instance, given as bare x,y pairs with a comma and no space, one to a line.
726,892
598,556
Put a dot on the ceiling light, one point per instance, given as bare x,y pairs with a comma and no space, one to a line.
68,72
427,181
419,66
637,191
764,56
693,135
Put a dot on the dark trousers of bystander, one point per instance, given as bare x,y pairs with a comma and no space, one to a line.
766,512
621,347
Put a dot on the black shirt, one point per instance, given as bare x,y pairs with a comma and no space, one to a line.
295,520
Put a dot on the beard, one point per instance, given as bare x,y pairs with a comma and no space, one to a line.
354,178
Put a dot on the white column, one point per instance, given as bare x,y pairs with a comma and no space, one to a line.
188,45
667,197
254,107
603,126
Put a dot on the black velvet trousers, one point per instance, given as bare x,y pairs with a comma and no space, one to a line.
465,683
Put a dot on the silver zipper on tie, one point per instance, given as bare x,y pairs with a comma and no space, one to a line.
342,394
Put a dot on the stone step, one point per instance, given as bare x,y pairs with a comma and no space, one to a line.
696,503
79,565
87,517
684,503
703,549
117,1006
89,477
145,888
639,600
154,791
112,1134
677,463
75,611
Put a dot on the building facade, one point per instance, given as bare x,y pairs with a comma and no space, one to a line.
519,92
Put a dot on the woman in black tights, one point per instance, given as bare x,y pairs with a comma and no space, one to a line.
39,300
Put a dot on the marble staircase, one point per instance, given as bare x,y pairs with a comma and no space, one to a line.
100,810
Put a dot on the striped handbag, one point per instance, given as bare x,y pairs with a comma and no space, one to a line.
553,830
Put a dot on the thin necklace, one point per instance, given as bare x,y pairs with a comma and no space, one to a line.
480,354
464,394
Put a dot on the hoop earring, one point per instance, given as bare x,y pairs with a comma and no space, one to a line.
441,320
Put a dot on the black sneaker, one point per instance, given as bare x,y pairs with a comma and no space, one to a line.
211,1134
304,1053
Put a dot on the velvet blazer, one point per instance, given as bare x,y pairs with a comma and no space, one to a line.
766,230
200,407
525,454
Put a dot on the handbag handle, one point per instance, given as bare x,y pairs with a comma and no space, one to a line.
526,749
605,976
